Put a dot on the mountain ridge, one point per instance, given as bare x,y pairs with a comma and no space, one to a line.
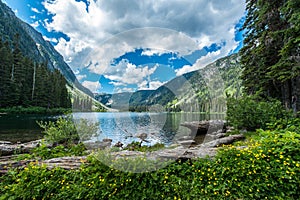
202,90
33,45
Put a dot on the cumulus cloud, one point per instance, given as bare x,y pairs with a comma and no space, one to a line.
205,21
104,30
93,86
125,73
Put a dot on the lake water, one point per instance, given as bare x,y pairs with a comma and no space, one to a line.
22,127
123,126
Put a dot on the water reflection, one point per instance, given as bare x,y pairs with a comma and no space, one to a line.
159,127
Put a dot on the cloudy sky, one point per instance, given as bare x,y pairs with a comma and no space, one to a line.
127,45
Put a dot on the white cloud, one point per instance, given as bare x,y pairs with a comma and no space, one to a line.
150,85
127,73
109,29
93,86
151,52
80,77
35,10
50,39
35,24
200,63
196,24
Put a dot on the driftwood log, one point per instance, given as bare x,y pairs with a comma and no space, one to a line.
74,162
7,148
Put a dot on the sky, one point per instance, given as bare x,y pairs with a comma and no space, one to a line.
127,45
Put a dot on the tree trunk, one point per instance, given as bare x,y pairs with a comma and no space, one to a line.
33,82
286,94
296,91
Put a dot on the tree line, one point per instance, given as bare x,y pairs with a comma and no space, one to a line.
26,83
271,52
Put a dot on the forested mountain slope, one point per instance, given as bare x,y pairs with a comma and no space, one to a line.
33,46
203,90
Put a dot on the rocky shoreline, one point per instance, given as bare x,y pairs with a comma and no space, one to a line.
216,135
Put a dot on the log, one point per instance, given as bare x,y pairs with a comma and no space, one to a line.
68,163
7,148
225,140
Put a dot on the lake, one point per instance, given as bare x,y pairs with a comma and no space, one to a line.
22,127
118,126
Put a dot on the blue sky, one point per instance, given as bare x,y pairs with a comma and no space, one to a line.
120,45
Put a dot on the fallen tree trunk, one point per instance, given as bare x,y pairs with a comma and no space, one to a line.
7,148
225,140
74,162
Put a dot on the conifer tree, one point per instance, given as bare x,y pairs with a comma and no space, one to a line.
270,55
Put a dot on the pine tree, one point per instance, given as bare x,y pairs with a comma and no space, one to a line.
270,55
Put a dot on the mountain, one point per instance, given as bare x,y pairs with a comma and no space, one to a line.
33,46
202,90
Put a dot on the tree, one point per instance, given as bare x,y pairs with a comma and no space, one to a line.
270,55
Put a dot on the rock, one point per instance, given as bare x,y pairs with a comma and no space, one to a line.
119,144
126,153
186,142
185,138
204,127
96,145
142,136
107,140
220,135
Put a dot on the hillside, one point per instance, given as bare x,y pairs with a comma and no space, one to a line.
33,46
198,91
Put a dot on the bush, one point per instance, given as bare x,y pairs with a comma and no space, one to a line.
251,114
65,131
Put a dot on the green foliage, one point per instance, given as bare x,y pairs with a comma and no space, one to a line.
28,84
267,168
270,55
251,114
65,131
61,131
289,123
45,152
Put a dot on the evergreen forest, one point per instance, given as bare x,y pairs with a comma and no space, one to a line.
25,83
271,51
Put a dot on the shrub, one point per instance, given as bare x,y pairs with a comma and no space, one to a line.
251,114
65,131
